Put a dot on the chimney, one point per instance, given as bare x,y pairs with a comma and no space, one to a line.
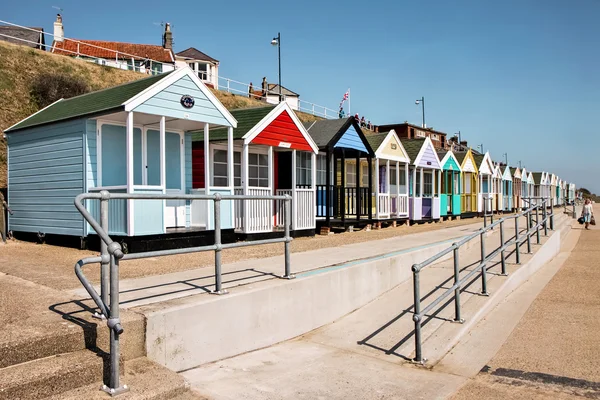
59,30
168,37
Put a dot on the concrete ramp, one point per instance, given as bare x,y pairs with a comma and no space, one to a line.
366,354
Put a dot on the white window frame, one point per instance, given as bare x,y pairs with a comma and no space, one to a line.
144,131
321,166
303,163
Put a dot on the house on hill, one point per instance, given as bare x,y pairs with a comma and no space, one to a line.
30,37
410,131
206,67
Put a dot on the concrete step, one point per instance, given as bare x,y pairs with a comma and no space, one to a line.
40,322
146,380
50,376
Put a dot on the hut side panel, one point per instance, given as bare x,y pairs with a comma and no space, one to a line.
46,172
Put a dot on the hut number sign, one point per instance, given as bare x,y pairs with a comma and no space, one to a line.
285,144
187,101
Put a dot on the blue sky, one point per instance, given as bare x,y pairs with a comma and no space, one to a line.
521,77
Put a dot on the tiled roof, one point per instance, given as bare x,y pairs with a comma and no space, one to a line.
194,54
324,131
412,147
90,103
460,155
478,159
537,177
441,154
376,139
246,118
19,35
109,50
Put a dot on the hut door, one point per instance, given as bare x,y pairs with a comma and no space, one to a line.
175,209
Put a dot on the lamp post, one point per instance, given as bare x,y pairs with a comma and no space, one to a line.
520,165
505,155
422,102
277,42
459,140
480,146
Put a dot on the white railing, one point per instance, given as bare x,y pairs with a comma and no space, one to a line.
305,209
399,205
223,84
279,207
260,212
384,208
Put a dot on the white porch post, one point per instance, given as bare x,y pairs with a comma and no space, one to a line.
294,190
313,181
414,183
245,218
387,177
163,166
271,185
130,213
422,183
376,188
230,172
207,170
439,182
406,180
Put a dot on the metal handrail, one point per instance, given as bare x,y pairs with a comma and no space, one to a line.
111,253
516,241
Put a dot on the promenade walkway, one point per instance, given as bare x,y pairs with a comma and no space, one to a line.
554,351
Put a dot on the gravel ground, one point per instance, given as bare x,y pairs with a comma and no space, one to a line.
53,265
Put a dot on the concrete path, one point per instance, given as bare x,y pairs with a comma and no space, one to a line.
361,356
152,289
554,351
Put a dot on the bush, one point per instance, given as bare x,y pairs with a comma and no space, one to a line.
50,87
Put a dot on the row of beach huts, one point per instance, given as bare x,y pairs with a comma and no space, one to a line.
169,134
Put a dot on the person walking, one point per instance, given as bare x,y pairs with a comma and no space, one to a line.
3,206
587,213
250,90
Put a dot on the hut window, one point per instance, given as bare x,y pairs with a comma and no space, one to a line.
402,182
220,168
427,184
321,169
468,178
303,170
455,177
364,171
350,175
393,180
258,170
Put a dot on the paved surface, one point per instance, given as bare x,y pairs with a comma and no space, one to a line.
554,351
152,289
361,356
53,266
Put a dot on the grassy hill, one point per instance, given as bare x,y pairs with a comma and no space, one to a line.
21,68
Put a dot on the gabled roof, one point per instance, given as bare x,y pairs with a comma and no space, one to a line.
516,172
444,156
415,148
247,118
90,103
412,147
193,53
254,121
537,177
273,88
377,141
24,37
118,98
111,50
506,174
327,132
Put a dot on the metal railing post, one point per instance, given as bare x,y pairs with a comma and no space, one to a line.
537,223
483,269
484,212
545,218
104,265
287,221
529,223
457,317
552,214
417,315
517,247
502,255
114,324
218,244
